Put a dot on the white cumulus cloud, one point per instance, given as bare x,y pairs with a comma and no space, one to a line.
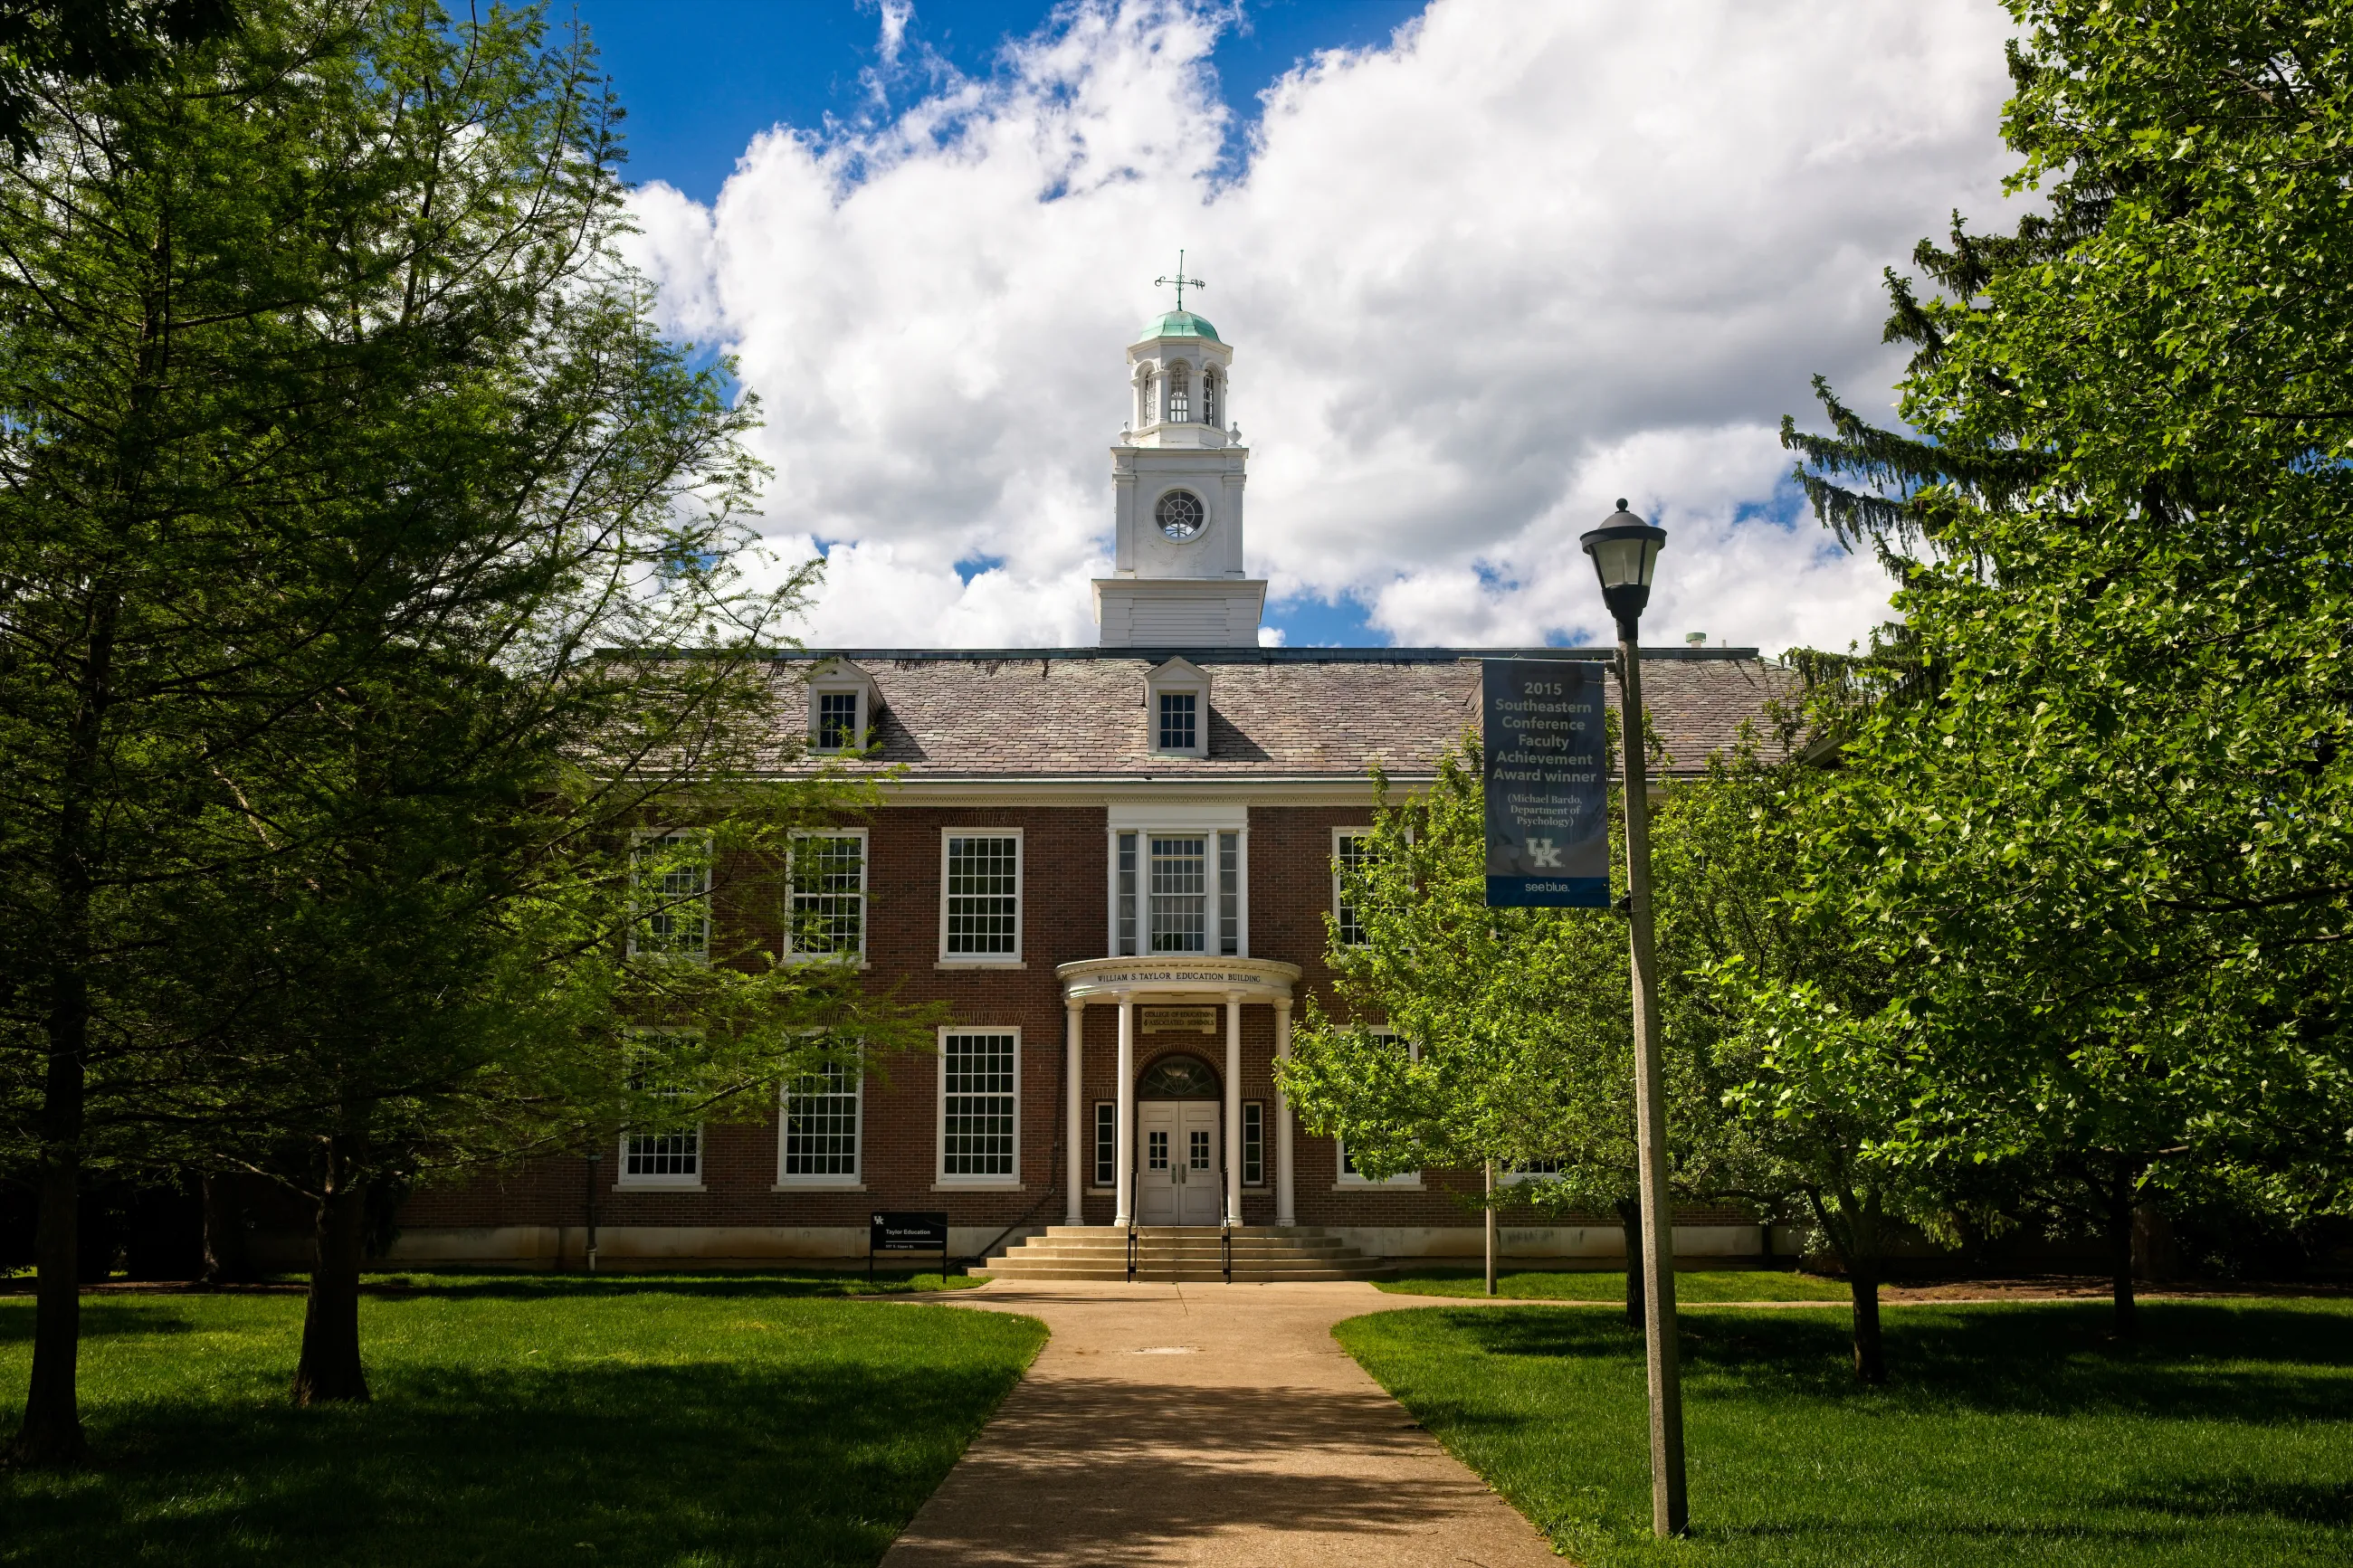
1480,281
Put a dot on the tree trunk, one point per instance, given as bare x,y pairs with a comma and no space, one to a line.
1869,1358
51,1433
330,1369
2123,1186
1630,1218
226,1260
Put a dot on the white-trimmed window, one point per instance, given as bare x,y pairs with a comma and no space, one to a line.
1107,1142
670,876
1532,1171
1349,1175
1351,848
822,1119
667,1152
1176,710
980,1106
980,896
1180,397
841,705
1178,891
827,873
1212,406
1253,1142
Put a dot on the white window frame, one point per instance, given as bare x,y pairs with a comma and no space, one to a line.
1338,901
1519,1173
852,1182
1242,1156
623,1181
1006,1182
701,951
1103,1166
1020,867
1409,1181
1179,677
1144,820
865,898
834,676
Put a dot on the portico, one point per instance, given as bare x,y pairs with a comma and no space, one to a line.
1126,983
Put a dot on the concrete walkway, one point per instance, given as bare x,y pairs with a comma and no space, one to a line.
1206,1423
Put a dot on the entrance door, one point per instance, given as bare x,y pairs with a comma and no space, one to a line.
1177,1176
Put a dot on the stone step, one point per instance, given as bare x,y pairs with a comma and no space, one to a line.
1253,1249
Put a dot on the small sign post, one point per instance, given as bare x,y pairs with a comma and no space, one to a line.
1547,778
916,1231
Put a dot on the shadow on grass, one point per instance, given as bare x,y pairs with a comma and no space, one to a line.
750,1287
815,1461
100,1319
2239,1496
2242,1362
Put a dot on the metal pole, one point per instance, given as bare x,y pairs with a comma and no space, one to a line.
1669,1509
1491,1227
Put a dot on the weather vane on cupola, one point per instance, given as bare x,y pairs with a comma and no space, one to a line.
1181,281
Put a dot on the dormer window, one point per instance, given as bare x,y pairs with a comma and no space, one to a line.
1179,726
1176,710
842,707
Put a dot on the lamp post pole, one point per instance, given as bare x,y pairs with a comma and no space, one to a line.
1623,549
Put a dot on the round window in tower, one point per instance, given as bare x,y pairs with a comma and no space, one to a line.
1180,515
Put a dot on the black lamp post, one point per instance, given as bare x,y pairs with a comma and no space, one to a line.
1625,550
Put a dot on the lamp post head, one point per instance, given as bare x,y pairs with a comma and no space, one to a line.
1625,551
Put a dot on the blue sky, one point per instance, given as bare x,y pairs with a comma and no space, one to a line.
1484,264
700,78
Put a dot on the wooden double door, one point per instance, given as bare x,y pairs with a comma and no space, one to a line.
1179,1178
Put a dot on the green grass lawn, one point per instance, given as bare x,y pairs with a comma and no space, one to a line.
2011,1434
1559,1285
687,1422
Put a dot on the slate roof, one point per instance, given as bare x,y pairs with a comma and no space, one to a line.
1273,712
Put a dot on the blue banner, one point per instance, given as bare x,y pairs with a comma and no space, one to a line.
1547,783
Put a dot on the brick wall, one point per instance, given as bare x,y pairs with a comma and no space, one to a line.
1064,878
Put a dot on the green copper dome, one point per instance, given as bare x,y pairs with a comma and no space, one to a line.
1178,324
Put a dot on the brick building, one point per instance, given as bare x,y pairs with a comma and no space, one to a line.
1113,865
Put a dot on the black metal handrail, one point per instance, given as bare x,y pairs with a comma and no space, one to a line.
1225,1247
1131,1253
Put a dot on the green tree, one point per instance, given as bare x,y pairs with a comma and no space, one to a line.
1520,1023
336,445
2101,828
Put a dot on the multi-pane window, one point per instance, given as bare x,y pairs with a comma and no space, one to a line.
1123,897
1107,1142
1229,893
1180,893
672,876
983,894
828,880
836,721
980,1081
1534,1171
1253,1142
820,1117
1179,721
1180,395
1349,1172
1350,850
1211,384
669,1151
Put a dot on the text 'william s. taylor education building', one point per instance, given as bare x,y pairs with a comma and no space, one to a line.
1113,864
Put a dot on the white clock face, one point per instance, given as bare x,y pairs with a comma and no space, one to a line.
1180,515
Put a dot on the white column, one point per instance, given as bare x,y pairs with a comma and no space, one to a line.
1075,1164
1285,1211
1126,1186
1233,1108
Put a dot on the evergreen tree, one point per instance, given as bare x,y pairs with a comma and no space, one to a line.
2101,825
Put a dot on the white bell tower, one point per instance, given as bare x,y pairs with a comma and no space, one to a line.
1176,476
